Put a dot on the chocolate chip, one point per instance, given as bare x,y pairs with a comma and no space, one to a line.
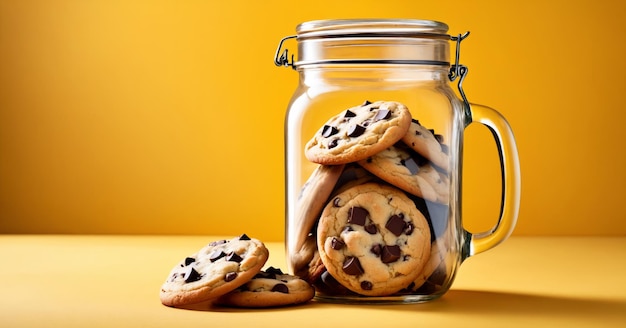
216,255
273,270
348,114
336,243
352,266
409,228
428,288
390,253
395,224
189,260
330,284
444,149
411,165
333,143
357,215
376,249
244,237
328,131
365,103
230,276
233,257
347,229
436,214
439,138
355,130
218,242
439,276
419,159
382,114
269,273
371,229
192,275
337,202
328,279
366,285
281,288
415,121
243,288
265,275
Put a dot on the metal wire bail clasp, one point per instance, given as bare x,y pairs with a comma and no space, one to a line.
458,70
282,59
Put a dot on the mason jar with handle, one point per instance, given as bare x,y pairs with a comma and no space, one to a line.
373,160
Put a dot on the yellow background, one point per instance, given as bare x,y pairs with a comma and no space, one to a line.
166,117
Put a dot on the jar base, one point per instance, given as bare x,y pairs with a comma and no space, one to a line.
394,299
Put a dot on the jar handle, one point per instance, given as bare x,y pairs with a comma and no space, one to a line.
511,180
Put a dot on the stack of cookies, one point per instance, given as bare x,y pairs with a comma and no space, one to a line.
371,219
229,272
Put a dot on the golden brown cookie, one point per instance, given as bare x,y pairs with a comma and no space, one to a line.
215,270
406,169
304,259
269,288
311,201
441,262
428,144
373,240
353,174
439,251
306,263
359,132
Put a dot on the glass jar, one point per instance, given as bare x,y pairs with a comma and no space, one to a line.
373,161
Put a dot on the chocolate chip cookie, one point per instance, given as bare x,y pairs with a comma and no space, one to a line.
373,240
269,288
359,132
215,270
435,271
353,174
408,170
312,200
306,262
428,144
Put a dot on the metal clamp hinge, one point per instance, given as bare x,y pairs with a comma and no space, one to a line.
282,59
458,70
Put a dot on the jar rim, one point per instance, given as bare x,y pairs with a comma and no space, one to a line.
382,27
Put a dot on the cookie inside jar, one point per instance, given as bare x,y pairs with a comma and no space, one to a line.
374,224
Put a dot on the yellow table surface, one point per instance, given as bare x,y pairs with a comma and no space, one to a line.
114,281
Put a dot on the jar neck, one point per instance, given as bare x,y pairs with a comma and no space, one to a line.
342,52
372,74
